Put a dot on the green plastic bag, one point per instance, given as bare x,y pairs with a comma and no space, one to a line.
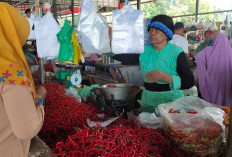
85,92
64,37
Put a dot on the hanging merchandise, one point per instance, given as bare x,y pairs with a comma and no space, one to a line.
32,27
31,22
213,27
77,55
45,31
146,36
93,29
127,31
66,48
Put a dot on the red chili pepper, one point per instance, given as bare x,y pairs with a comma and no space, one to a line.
111,86
65,120
192,112
170,111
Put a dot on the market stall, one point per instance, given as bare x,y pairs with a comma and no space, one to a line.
93,106
91,119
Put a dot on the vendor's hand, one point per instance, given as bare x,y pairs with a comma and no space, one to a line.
41,91
131,116
191,54
158,75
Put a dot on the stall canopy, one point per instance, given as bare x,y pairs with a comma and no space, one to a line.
64,6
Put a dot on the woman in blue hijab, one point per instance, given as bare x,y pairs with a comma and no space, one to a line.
164,66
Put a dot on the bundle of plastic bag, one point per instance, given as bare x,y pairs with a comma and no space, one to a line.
93,29
127,31
45,31
32,31
194,125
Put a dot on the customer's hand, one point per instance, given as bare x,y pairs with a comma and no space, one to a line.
158,75
41,91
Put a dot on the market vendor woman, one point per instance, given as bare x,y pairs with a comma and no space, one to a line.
164,66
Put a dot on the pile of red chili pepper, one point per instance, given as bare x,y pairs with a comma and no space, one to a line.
116,140
63,113
66,131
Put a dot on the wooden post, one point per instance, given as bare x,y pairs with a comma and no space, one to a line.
197,10
54,9
138,4
72,6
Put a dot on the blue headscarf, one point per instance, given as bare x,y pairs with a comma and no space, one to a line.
163,28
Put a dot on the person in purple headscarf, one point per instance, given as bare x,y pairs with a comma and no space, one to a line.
214,68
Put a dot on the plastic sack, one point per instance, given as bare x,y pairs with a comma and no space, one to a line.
45,31
127,31
194,125
73,93
93,29
150,120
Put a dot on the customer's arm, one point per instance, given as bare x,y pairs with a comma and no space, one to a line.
184,72
25,120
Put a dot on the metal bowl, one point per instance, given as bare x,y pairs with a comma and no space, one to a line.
118,92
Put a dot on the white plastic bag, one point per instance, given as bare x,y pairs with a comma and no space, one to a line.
45,31
194,125
93,29
207,25
127,31
213,27
32,31
102,124
150,120
73,93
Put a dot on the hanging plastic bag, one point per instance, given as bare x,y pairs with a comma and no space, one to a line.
93,29
32,30
77,55
146,36
45,31
194,125
213,27
64,37
127,31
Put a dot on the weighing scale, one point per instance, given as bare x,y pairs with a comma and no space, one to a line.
69,73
